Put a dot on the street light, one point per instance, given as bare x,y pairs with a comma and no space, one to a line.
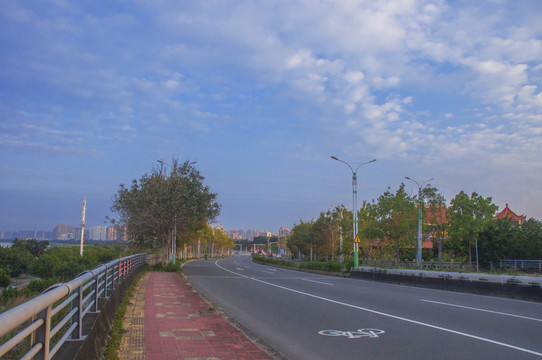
174,235
419,252
355,203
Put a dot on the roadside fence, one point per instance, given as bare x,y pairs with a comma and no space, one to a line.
523,265
57,315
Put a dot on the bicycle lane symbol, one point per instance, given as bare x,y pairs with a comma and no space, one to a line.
360,333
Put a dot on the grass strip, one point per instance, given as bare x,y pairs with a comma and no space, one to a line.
116,332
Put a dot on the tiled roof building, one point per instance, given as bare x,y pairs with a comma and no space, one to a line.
515,219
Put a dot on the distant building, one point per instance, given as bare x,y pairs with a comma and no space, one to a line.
64,232
251,234
98,233
111,233
122,233
515,219
283,231
236,234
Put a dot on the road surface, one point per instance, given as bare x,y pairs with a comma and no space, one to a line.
308,316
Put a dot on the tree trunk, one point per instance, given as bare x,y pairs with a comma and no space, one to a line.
470,255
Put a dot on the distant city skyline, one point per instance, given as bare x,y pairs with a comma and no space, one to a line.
67,232
106,232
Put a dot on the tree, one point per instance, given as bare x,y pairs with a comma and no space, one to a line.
435,218
15,260
325,235
395,219
531,230
467,217
44,266
5,279
301,238
161,202
36,248
504,240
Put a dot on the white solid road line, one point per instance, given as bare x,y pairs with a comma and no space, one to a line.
484,310
318,282
389,315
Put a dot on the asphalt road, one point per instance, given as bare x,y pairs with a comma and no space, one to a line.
308,316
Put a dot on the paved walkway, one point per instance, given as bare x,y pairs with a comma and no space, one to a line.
167,319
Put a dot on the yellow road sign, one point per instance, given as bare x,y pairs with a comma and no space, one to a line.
357,239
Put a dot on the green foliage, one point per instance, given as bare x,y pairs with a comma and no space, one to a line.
65,262
44,266
467,218
301,238
330,266
40,285
168,268
506,241
268,260
5,279
388,230
36,248
434,219
156,204
15,260
531,232
395,218
9,294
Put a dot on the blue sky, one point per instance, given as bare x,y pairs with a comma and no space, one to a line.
260,94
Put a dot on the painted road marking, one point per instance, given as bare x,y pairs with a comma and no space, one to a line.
318,282
484,310
390,315
359,333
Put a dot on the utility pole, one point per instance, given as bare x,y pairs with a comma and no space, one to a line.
83,227
420,204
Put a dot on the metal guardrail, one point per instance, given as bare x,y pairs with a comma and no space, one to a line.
519,264
50,326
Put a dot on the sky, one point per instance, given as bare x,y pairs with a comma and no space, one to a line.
260,94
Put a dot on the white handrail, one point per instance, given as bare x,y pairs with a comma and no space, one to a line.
39,310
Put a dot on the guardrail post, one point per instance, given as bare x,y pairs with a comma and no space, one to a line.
43,333
96,289
105,281
114,275
78,316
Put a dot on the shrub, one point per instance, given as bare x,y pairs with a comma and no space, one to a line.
168,268
5,279
39,285
331,266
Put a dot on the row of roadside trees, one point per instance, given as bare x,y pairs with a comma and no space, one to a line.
464,231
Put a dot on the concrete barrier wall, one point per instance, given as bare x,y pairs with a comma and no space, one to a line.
511,290
153,259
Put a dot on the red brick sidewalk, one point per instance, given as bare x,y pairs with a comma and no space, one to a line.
179,324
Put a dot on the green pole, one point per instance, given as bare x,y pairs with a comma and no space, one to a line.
355,204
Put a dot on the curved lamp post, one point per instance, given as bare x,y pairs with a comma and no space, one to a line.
419,252
355,203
